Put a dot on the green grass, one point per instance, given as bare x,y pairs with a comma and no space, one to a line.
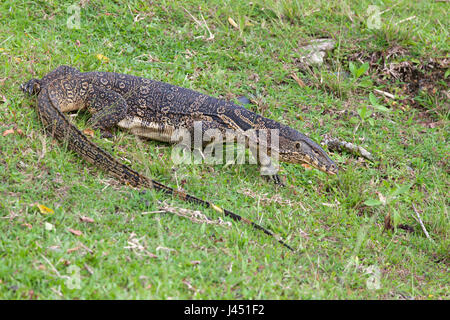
335,225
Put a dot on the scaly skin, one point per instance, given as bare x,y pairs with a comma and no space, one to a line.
156,110
53,97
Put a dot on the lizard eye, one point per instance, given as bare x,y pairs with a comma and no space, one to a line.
297,145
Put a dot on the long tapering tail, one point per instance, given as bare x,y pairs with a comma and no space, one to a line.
186,197
57,125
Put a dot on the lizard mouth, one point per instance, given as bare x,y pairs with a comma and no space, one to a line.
331,169
328,167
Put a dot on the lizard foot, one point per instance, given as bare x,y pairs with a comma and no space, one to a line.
105,134
274,178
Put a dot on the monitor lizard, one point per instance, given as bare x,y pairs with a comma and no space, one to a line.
61,90
158,111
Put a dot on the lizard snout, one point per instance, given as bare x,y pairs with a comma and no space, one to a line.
333,169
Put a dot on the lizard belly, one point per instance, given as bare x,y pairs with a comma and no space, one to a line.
149,129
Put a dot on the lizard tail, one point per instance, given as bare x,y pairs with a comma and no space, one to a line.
186,197
57,125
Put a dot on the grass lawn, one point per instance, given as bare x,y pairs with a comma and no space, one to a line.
384,87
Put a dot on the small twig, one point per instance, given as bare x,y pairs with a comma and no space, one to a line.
152,212
165,249
387,94
51,266
404,20
388,9
57,292
335,144
195,19
86,248
137,247
89,269
421,223
193,215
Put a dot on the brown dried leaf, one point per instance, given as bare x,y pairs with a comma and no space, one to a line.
86,219
233,23
65,262
89,132
388,225
433,125
73,249
189,285
75,232
6,132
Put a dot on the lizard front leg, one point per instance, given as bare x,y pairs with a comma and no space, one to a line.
256,141
212,137
266,167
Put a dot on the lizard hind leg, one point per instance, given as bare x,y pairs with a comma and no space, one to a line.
31,87
107,108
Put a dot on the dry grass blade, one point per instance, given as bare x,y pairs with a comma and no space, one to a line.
387,94
264,197
137,247
201,25
298,80
193,215
421,223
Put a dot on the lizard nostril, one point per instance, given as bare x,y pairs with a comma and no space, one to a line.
333,168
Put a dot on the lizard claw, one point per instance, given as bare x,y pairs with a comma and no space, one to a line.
106,134
275,179
31,87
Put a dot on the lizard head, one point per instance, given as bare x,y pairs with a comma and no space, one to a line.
298,148
31,87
